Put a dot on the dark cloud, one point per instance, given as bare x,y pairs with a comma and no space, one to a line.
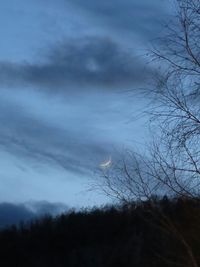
86,62
30,138
15,213
138,17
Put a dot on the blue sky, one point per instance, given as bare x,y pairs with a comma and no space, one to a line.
66,68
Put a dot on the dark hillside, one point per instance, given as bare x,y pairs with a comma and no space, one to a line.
153,233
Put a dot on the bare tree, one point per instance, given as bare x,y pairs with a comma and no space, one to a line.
128,179
177,95
172,164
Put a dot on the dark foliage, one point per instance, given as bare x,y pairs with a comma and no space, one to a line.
143,234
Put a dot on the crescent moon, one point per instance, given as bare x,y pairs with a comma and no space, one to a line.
106,164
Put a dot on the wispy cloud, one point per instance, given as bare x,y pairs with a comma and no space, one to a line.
140,18
81,63
62,107
56,137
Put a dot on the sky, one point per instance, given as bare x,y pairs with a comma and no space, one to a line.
71,72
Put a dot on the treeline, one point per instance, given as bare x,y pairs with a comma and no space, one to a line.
152,233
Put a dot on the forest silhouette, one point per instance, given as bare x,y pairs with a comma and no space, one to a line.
138,234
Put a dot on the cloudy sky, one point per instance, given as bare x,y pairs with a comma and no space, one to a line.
70,73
